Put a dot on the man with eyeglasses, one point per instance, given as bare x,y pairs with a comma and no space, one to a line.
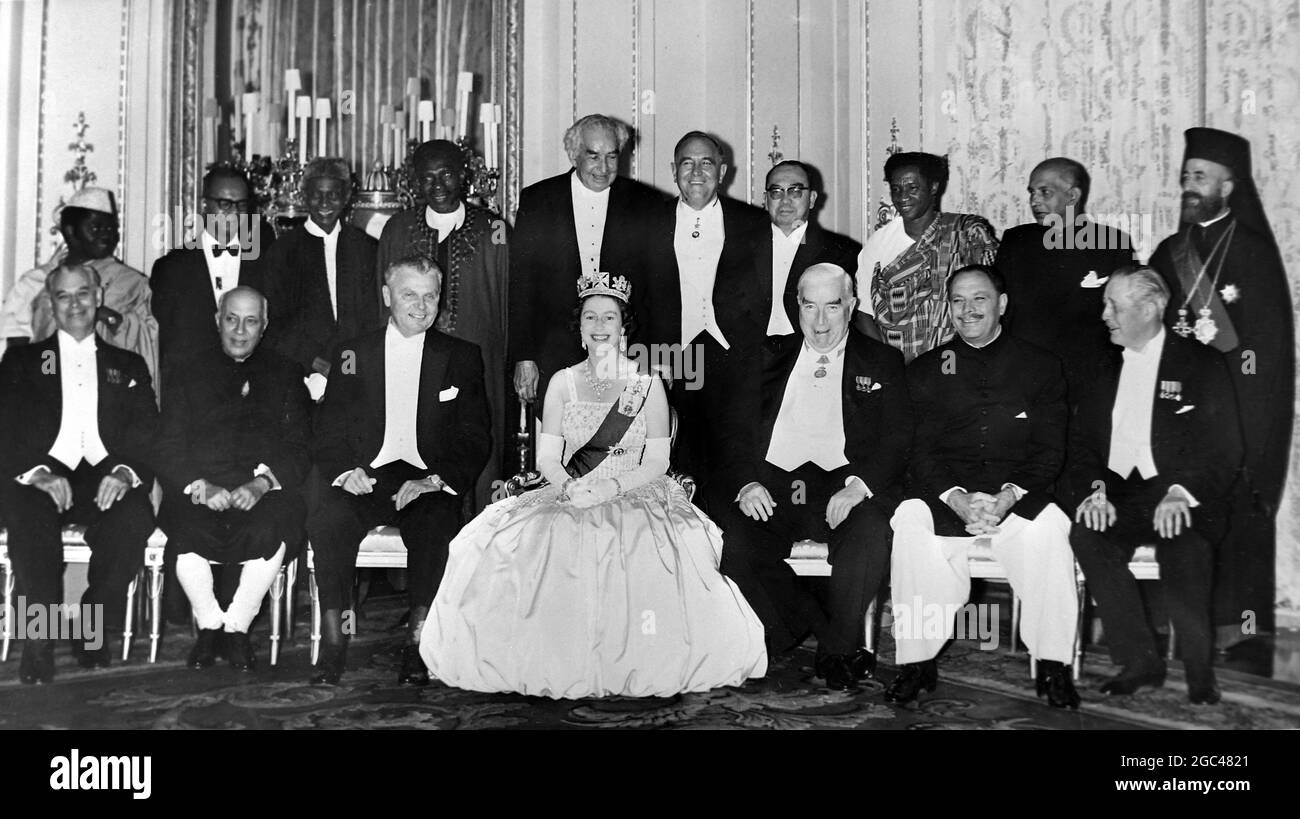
797,243
228,249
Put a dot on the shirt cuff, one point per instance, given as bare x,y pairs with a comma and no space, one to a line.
27,477
264,471
343,476
444,487
135,479
1191,500
852,479
1015,490
191,486
944,496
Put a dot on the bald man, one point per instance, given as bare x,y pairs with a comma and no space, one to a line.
1056,269
816,449
232,456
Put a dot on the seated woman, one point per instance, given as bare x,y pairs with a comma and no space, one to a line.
605,582
904,266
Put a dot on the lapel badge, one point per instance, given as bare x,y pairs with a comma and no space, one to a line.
1172,390
114,375
863,383
243,391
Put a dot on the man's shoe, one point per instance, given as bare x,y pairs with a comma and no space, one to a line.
1126,682
911,680
1201,689
414,671
204,653
863,664
836,670
1056,681
239,651
329,671
92,657
37,665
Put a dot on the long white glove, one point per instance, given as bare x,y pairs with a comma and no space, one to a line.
550,448
654,463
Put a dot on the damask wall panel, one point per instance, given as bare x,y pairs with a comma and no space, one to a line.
1112,84
1253,88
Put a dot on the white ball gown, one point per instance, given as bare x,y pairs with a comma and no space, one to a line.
623,598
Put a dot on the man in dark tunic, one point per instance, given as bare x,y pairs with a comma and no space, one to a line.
469,244
1056,269
1229,290
232,456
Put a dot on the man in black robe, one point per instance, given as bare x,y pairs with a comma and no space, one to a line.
1229,290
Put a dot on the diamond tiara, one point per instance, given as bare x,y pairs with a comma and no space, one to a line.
600,284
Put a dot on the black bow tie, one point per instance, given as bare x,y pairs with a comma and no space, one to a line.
217,250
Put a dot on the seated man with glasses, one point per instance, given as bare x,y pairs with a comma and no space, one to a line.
796,244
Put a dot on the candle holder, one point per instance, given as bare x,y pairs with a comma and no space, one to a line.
528,477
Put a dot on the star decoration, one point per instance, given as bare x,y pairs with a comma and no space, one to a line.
1229,293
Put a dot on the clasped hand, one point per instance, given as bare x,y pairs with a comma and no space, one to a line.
219,499
980,511
112,488
587,494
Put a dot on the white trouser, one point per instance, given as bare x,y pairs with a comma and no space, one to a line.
255,579
929,571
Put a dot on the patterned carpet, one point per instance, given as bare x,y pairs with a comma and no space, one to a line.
977,690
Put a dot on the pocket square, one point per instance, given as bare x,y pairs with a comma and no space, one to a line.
1187,408
1022,415
449,394
1093,280
132,384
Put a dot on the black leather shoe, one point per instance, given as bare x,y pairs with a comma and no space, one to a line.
836,670
414,671
911,680
92,657
1126,682
239,651
1201,689
1056,681
37,665
330,669
204,653
863,665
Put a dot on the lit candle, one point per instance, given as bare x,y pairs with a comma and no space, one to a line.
485,117
237,121
412,102
426,120
322,120
292,85
304,113
445,130
250,114
385,122
211,116
464,85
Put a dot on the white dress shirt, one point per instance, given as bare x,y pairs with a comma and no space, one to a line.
697,241
331,259
402,359
78,436
881,248
1130,419
784,249
445,223
223,269
589,210
810,424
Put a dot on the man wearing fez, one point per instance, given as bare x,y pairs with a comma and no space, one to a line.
77,419
401,435
1155,447
796,243
582,222
468,244
231,457
1056,269
320,277
817,448
1228,290
228,249
90,229
706,299
990,441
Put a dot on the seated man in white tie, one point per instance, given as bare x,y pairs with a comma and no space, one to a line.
990,440
400,437
77,417
1154,450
